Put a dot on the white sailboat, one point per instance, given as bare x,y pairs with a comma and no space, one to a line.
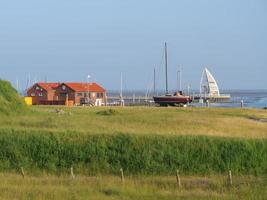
208,84
209,89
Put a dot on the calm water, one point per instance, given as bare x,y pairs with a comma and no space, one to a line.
251,98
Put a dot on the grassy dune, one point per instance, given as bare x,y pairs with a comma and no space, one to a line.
148,188
10,101
221,122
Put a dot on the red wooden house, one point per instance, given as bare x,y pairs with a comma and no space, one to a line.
42,93
71,93
81,93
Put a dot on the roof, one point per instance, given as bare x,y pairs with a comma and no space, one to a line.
49,86
77,87
46,86
83,87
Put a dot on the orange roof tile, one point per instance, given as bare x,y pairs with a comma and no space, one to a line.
83,87
49,86
77,87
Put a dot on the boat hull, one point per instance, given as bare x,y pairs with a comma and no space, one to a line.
172,100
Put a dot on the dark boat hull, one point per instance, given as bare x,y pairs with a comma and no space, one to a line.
172,100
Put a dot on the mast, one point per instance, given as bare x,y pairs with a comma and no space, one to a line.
121,87
179,79
154,81
166,67
88,85
121,97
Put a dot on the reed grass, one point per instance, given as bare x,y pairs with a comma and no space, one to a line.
136,154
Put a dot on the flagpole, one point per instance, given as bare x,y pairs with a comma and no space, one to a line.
88,85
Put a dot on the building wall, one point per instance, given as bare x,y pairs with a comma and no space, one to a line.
51,95
38,94
78,97
63,93
99,98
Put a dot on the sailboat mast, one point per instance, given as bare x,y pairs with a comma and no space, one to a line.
166,67
154,81
179,79
121,97
121,86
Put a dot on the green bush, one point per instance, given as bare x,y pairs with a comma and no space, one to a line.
147,154
107,112
10,101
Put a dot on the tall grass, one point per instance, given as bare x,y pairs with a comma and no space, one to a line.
142,154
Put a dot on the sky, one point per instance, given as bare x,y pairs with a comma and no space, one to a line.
66,40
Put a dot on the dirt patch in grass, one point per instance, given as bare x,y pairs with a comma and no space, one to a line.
110,192
108,112
263,120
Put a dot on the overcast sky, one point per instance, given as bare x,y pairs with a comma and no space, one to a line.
65,40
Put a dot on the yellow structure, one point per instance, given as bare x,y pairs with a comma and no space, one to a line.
28,100
69,103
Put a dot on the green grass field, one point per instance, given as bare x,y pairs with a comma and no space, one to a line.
143,120
148,188
144,140
148,143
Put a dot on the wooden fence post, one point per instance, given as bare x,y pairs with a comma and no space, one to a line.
22,172
122,176
230,179
178,181
71,173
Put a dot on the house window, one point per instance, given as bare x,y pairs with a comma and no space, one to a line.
37,88
41,94
63,94
33,94
63,87
79,94
86,94
99,95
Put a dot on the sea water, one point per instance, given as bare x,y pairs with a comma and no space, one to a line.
251,98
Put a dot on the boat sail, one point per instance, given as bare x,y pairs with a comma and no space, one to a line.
208,85
168,99
209,89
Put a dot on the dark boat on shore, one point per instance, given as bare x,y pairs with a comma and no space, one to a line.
176,99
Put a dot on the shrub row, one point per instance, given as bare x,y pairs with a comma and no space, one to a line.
143,154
